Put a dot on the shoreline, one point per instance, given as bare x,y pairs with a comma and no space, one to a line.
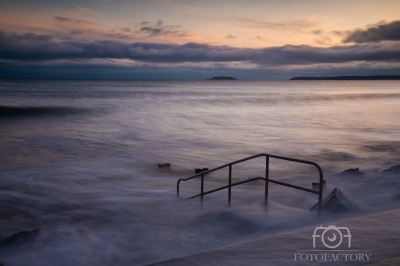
370,234
375,77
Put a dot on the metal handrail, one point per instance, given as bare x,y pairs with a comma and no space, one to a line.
266,178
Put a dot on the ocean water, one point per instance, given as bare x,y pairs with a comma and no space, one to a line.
78,160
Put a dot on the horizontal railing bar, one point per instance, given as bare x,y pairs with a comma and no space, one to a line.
267,155
253,179
293,186
227,186
252,157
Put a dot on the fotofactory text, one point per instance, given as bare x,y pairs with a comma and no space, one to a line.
332,243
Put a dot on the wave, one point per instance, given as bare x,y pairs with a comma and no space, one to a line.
35,111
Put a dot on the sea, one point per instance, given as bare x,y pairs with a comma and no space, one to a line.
79,160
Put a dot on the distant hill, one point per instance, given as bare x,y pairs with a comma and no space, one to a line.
223,78
379,77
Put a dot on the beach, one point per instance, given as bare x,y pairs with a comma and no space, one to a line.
369,233
79,161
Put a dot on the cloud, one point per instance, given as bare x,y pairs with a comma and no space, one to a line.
159,28
316,32
80,9
230,37
378,33
324,40
118,36
258,37
73,21
286,26
24,38
126,29
84,29
62,19
76,32
113,69
340,33
32,47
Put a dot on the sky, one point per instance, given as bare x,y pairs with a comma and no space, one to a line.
189,39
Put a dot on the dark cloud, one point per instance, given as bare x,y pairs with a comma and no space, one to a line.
118,35
324,40
30,46
159,28
74,21
381,32
316,32
125,29
304,54
230,37
153,31
340,33
62,19
76,32
23,38
106,69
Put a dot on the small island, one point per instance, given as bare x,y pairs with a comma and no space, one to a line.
223,78
378,77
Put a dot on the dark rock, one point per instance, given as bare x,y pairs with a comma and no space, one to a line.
352,172
20,237
336,201
199,170
397,197
164,165
392,170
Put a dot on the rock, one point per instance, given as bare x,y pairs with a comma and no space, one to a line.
352,172
164,165
392,170
199,170
397,197
336,201
20,237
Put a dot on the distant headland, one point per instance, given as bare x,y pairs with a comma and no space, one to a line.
223,78
379,77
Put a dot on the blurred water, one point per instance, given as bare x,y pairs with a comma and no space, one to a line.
78,159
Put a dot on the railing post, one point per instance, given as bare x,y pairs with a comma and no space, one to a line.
266,178
230,186
202,189
321,189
